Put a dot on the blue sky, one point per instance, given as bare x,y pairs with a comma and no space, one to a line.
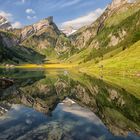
65,12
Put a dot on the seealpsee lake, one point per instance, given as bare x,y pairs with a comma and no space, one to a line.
60,104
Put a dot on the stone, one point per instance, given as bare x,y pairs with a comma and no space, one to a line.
117,3
4,23
114,41
35,28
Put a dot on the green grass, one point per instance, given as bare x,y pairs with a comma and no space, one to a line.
131,84
50,53
127,62
120,59
79,57
122,14
129,24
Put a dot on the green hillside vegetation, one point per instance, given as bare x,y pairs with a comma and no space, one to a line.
130,25
16,54
122,57
126,62
131,84
121,15
111,46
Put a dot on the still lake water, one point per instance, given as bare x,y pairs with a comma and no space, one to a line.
67,105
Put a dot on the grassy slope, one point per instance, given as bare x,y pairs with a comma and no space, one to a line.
121,15
115,59
126,62
79,57
131,84
124,19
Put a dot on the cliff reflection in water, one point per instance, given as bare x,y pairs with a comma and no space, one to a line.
59,104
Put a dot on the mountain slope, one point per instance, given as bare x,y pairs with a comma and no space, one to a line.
118,30
12,53
44,37
4,24
32,44
84,36
126,62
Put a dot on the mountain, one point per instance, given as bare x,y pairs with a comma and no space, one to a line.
4,24
12,53
114,31
68,30
33,43
84,36
126,62
44,37
10,50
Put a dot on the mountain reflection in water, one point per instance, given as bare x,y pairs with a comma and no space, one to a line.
67,105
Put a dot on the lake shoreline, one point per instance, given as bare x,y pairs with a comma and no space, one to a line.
81,69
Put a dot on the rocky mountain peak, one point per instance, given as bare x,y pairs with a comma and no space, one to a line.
4,23
37,27
117,3
49,20
68,30
43,23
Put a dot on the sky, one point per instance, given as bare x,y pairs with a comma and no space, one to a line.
75,13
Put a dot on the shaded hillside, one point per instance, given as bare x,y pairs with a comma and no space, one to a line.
32,44
12,53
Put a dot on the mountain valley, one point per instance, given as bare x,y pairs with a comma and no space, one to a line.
96,46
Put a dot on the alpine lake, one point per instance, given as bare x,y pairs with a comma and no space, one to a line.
64,104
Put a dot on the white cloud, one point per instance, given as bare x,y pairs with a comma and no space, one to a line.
62,4
16,24
23,1
20,2
31,17
10,18
72,2
7,15
83,20
30,11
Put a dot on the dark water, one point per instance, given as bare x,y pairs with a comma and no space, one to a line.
67,105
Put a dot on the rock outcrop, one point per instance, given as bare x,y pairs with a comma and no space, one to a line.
83,37
37,37
38,27
44,35
8,39
4,83
117,3
4,108
4,24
